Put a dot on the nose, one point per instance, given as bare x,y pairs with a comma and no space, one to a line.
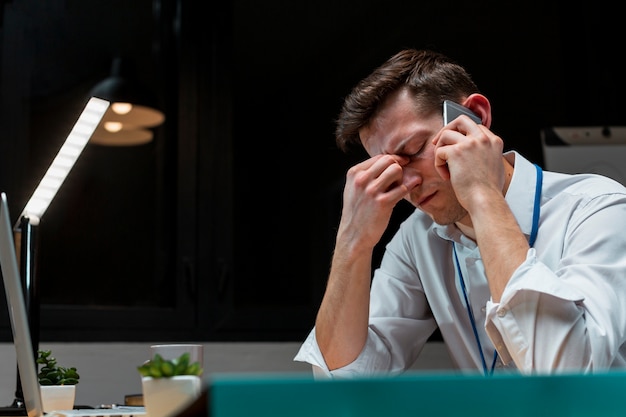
410,177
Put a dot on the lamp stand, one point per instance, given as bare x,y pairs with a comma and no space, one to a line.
37,205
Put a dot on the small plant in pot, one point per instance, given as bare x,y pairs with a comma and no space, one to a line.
158,367
57,383
169,385
50,373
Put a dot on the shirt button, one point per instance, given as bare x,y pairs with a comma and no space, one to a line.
502,312
483,309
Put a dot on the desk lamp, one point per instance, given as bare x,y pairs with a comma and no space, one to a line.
132,113
37,205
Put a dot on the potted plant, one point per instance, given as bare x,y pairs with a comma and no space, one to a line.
57,383
169,385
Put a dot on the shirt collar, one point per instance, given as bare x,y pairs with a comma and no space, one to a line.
520,195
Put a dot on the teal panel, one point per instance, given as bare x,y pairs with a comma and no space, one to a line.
418,394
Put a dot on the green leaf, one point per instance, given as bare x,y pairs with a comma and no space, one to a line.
158,367
167,368
193,369
45,381
144,369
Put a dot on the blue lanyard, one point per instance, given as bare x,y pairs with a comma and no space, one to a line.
531,241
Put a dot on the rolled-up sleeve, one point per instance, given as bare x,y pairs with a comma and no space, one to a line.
369,362
542,323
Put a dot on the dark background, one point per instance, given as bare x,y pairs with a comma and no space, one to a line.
222,227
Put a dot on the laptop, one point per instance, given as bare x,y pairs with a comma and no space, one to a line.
21,333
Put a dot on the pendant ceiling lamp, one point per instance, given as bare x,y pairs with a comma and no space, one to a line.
132,113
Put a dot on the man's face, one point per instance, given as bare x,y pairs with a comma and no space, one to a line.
399,129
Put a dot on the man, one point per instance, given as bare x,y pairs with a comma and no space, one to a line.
520,270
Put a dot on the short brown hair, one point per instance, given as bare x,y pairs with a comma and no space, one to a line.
431,76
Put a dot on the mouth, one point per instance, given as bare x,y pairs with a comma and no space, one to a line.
424,201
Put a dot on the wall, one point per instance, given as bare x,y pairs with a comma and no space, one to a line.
108,370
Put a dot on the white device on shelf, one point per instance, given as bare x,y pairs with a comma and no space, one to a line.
592,149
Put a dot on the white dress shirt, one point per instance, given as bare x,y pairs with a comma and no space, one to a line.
563,310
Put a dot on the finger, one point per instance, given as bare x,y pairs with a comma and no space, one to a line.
441,162
389,184
389,178
377,163
382,164
371,173
466,126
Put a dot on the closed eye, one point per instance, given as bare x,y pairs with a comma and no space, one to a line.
411,155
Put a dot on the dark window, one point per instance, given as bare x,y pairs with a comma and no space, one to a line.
222,228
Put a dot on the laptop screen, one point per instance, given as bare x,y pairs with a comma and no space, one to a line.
17,313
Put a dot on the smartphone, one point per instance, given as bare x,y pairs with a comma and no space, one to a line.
452,110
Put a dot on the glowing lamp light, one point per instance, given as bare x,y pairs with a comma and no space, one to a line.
65,159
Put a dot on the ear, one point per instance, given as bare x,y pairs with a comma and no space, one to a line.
480,105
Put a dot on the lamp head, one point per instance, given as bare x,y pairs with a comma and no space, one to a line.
65,159
132,110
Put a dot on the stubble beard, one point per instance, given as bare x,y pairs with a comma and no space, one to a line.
450,215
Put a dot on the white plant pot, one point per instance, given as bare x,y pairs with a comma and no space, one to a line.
165,397
57,397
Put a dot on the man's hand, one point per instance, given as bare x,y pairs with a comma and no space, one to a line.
372,190
470,155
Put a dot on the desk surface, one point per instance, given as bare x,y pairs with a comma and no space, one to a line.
598,395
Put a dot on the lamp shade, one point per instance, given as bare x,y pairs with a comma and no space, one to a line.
132,112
